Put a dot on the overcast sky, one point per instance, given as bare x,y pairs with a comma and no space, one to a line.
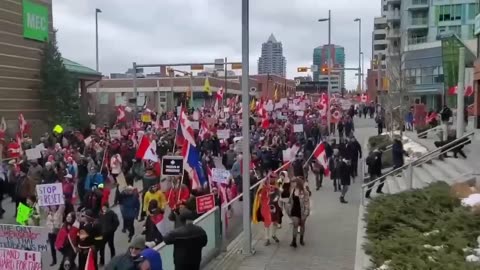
172,31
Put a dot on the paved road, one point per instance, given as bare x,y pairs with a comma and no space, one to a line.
331,230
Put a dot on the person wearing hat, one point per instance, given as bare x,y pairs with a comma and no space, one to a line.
149,180
154,194
109,224
88,231
188,241
131,259
48,174
129,208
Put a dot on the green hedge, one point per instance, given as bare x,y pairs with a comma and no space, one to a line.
396,225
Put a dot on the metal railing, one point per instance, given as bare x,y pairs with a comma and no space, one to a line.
417,162
429,130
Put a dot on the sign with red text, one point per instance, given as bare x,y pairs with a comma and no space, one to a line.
23,237
205,203
14,259
50,194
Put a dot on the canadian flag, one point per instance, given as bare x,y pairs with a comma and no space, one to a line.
147,150
320,155
323,104
90,264
30,256
159,221
364,98
3,128
121,117
468,91
22,124
218,100
203,130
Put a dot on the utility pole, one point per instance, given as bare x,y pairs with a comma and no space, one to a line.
460,92
247,248
97,61
135,94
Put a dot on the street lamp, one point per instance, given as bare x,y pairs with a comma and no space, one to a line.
329,19
359,52
97,10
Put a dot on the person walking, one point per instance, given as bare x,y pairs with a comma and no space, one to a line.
66,241
54,223
188,241
131,259
318,170
149,180
354,152
109,223
333,164
398,153
299,209
374,163
345,178
130,208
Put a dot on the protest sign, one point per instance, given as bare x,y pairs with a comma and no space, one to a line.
172,165
220,175
23,214
223,133
13,259
88,140
291,107
23,237
33,153
40,147
196,115
166,123
299,113
50,194
298,128
146,118
269,107
194,125
115,134
205,203
286,154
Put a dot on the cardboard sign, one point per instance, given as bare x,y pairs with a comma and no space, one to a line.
50,194
205,203
195,125
115,134
23,214
297,128
13,259
33,154
223,133
220,175
172,165
23,237
286,154
166,123
146,118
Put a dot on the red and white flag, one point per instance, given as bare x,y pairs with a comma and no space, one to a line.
321,156
468,91
218,100
160,223
364,98
121,116
90,264
3,128
203,130
147,150
22,124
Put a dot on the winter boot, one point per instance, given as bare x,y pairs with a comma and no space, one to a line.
294,242
301,240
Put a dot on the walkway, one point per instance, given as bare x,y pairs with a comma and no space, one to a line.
331,233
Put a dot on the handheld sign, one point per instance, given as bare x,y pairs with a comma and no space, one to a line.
23,214
205,203
115,134
172,165
223,133
23,237
50,194
14,259
297,128
220,175
33,154
146,118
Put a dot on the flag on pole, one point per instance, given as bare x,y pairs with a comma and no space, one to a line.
22,124
147,150
321,156
90,264
218,101
3,128
121,117
252,104
206,87
275,94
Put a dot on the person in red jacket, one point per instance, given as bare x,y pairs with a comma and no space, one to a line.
105,194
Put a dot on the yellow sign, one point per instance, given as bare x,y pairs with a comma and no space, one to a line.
23,214
206,87
58,129
146,118
237,66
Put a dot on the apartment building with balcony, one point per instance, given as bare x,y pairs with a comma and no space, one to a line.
414,30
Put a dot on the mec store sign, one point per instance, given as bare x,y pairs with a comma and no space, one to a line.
35,21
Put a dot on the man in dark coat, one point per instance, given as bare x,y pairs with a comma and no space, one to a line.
354,152
109,223
188,242
129,207
128,260
398,153
374,163
345,174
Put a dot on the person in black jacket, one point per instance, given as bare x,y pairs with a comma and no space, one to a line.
152,233
354,152
345,174
109,222
188,241
374,163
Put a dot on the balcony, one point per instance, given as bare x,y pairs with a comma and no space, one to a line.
417,40
393,33
418,23
418,5
393,15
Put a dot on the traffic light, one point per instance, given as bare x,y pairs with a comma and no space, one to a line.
302,69
324,69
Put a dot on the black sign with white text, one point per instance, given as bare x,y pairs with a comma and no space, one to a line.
172,165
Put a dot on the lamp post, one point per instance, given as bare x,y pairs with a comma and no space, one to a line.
247,249
359,52
97,10
329,19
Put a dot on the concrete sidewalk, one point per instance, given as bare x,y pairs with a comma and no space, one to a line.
331,232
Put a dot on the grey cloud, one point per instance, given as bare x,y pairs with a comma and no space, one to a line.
201,30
